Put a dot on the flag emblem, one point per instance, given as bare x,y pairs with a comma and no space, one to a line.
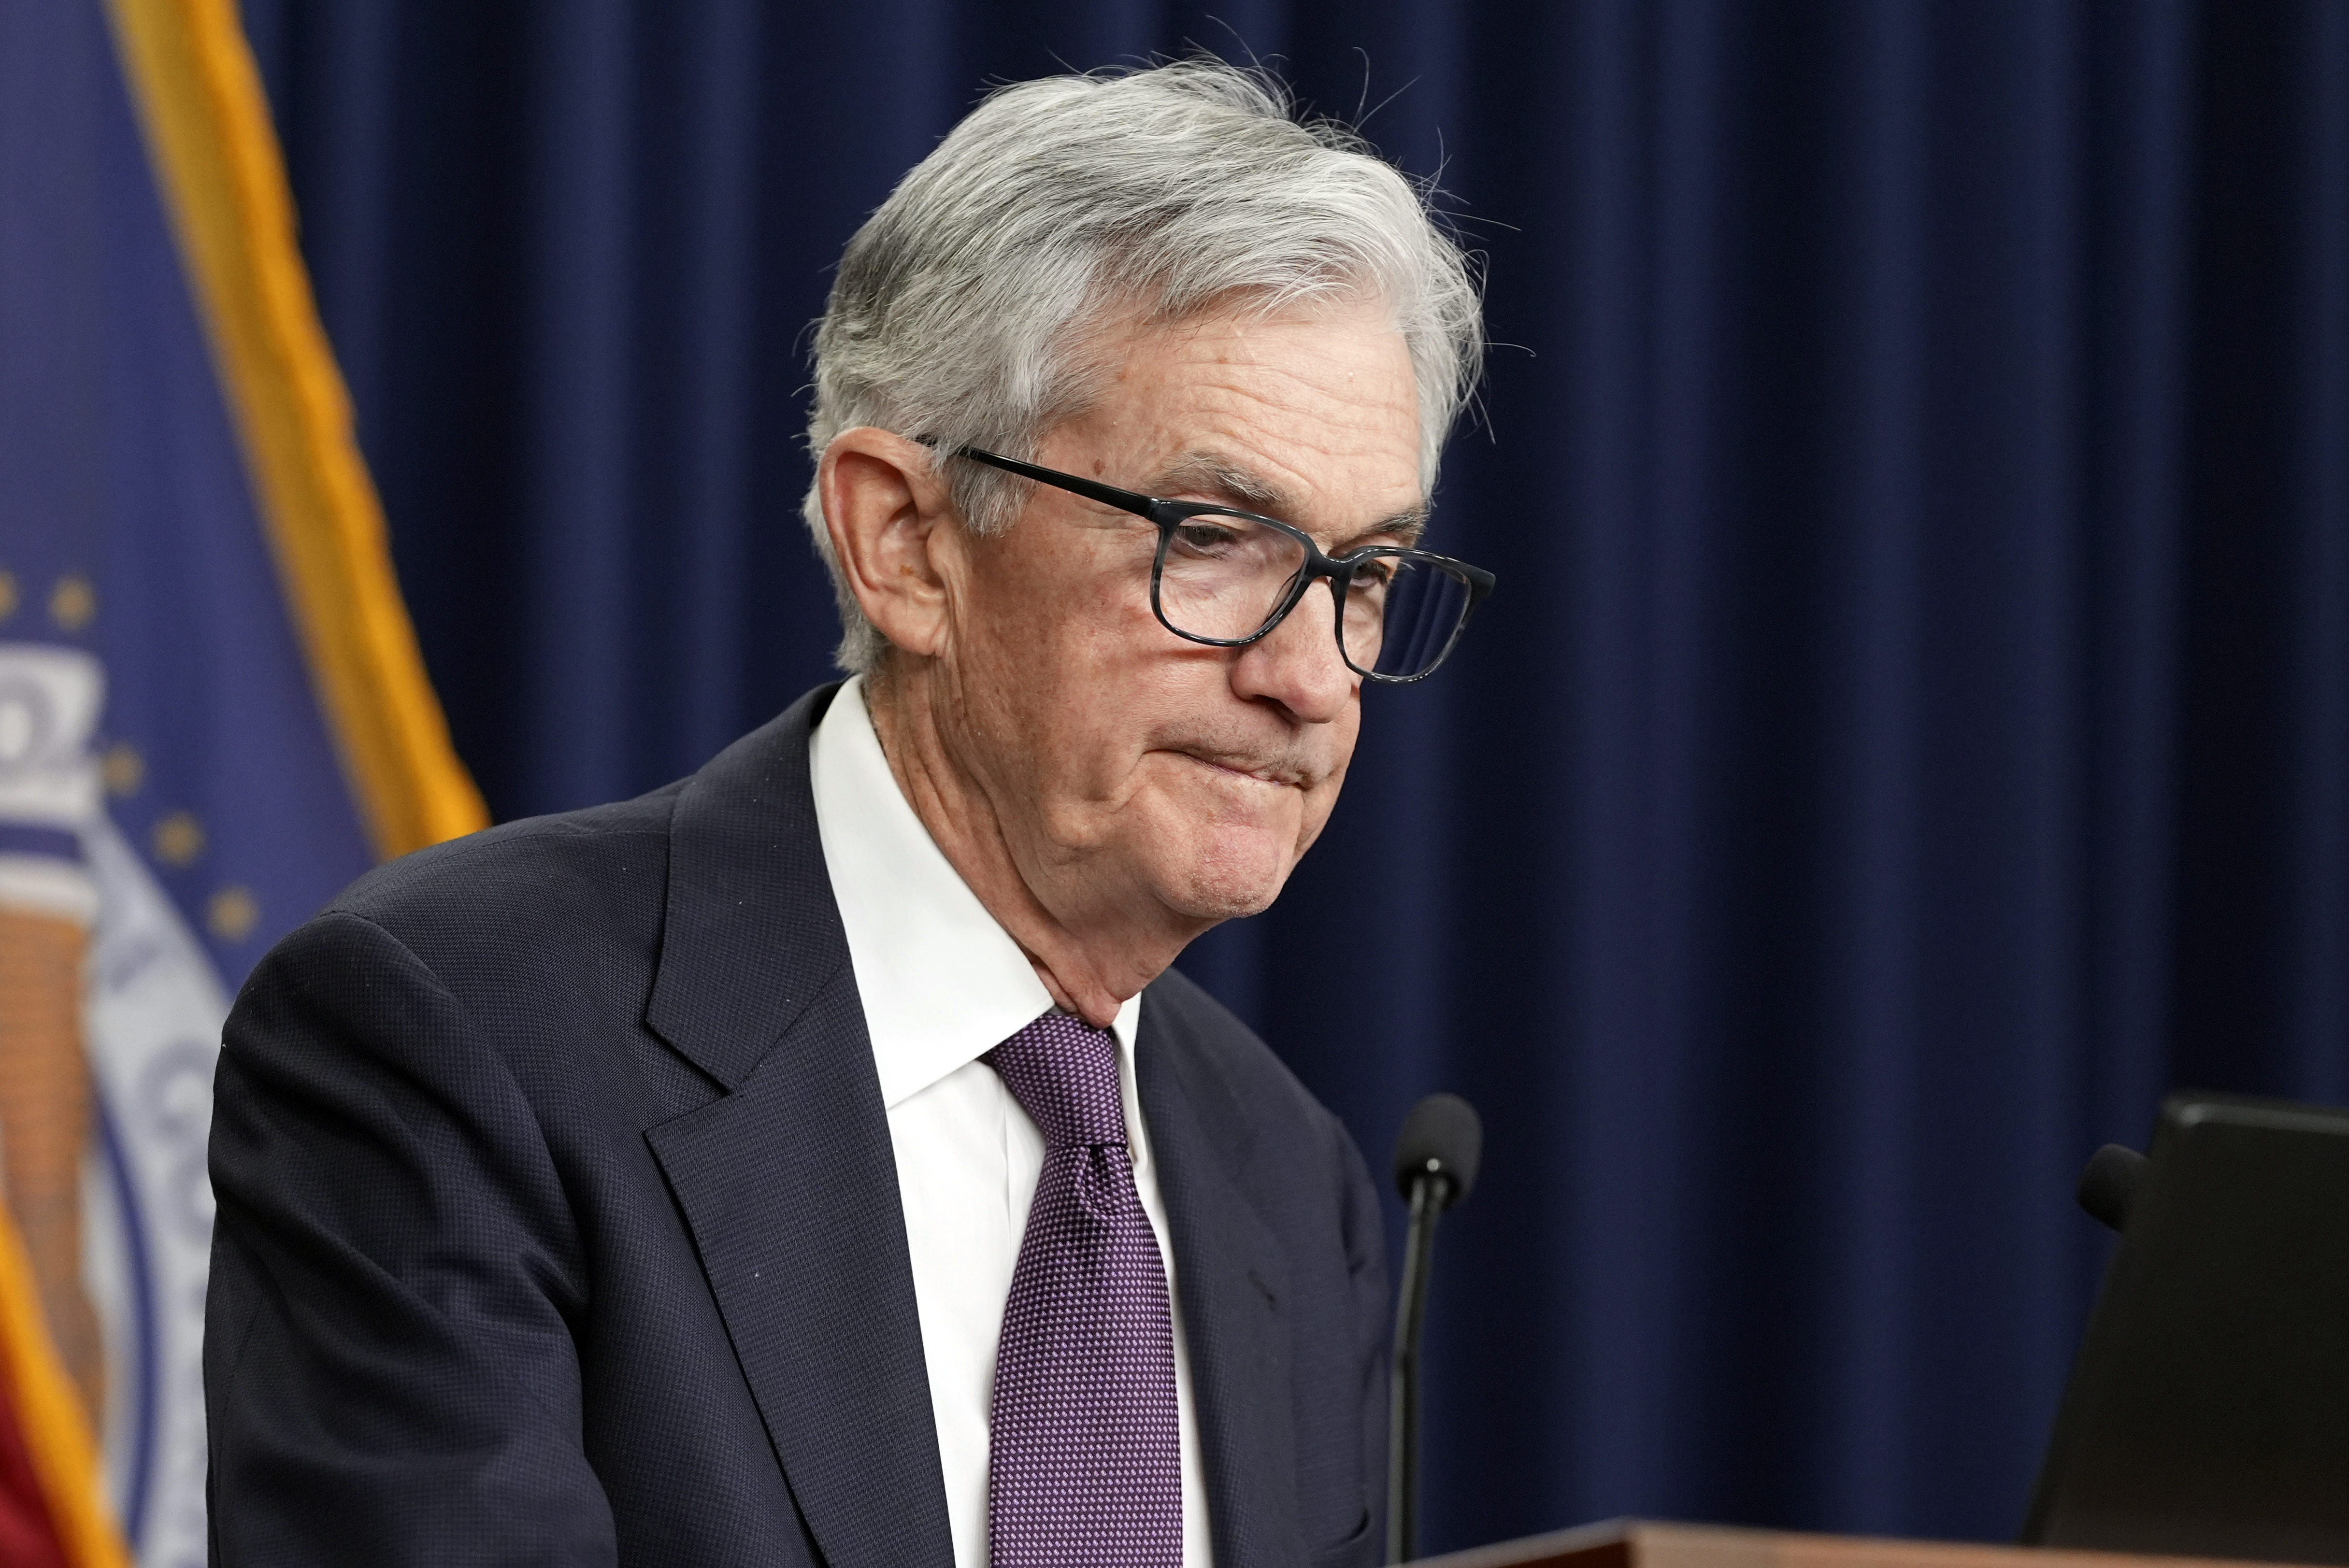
211,716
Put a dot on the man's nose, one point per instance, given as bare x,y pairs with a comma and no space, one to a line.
1297,664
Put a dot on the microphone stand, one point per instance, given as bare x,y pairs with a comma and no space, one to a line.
1429,1193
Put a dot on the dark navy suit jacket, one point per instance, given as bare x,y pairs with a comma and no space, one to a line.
558,1223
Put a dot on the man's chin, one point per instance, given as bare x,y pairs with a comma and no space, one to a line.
1229,882
1224,852
1216,905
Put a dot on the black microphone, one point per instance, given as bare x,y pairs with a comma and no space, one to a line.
2110,1184
1434,1166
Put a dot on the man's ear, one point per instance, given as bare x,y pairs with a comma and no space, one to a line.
888,514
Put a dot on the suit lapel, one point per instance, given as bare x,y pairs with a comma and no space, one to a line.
787,1183
1234,1286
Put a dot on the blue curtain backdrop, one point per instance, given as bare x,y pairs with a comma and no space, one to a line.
1911,733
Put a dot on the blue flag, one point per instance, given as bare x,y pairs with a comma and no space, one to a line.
211,714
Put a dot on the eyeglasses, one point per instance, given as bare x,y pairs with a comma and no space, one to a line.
1227,578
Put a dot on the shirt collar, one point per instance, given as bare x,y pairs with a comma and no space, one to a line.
941,982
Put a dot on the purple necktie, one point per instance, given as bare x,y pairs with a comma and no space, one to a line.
1084,1459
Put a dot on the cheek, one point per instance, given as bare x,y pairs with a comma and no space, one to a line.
1054,616
1020,626
1080,690
1112,681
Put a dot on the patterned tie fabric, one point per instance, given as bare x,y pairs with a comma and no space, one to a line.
1084,1464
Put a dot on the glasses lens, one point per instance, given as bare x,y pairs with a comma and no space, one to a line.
1224,577
1401,613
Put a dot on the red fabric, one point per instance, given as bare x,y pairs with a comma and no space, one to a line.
28,1538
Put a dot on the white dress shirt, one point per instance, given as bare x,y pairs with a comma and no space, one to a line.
942,984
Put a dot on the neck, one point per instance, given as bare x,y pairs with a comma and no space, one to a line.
1094,940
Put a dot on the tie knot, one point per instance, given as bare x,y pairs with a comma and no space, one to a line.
1064,1073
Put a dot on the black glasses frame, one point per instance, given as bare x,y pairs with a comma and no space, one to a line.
1170,515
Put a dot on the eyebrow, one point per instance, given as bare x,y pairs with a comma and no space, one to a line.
1212,474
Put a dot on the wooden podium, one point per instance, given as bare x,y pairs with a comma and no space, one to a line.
1642,1544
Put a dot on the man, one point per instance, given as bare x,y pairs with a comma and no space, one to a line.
817,1159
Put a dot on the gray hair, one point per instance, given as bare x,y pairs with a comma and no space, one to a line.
963,307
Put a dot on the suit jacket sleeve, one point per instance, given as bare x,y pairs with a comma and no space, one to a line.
389,1362
1365,1231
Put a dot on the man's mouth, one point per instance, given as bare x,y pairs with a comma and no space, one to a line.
1281,777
